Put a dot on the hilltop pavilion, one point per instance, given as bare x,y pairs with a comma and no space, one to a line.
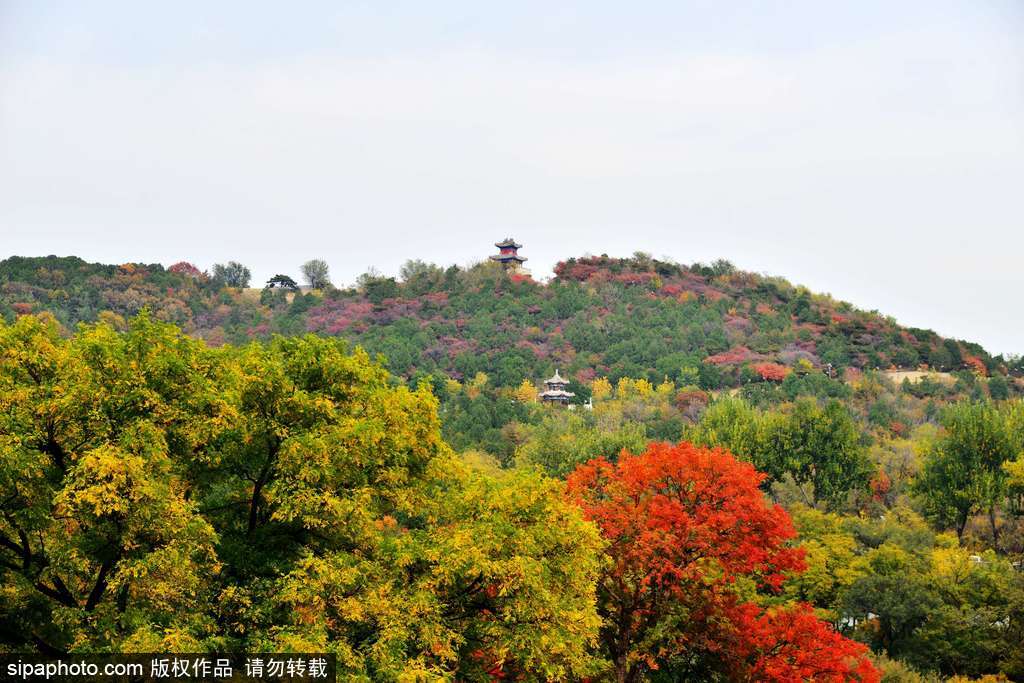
508,255
555,390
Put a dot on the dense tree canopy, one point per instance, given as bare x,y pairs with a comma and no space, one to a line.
692,543
158,495
816,448
168,492
99,535
232,274
965,470
637,317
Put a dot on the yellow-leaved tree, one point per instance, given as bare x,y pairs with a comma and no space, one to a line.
157,495
100,537
526,392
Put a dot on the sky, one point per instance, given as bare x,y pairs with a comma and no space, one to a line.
873,150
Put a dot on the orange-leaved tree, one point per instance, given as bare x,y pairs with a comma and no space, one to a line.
695,555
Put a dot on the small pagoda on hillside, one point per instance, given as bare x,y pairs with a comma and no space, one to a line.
508,255
555,390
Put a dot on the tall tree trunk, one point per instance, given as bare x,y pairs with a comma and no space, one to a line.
622,670
100,587
995,528
254,507
961,524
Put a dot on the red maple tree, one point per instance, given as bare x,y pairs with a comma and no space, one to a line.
792,644
685,527
186,268
772,372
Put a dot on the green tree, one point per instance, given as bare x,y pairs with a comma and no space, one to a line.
819,448
963,471
233,274
971,633
565,439
378,288
895,588
282,282
998,388
731,424
420,277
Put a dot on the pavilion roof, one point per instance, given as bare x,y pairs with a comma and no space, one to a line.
507,257
508,242
556,393
556,379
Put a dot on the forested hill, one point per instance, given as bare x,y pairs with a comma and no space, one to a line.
907,497
710,325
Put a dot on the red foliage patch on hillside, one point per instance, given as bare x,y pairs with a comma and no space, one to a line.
691,402
435,299
772,372
539,351
672,290
597,269
187,269
737,354
813,328
581,271
635,278
975,364
334,317
737,327
586,375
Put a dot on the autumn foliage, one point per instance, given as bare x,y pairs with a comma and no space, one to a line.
693,549
975,364
792,644
185,268
771,372
157,495
737,354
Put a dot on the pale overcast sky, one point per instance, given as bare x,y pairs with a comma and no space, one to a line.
870,149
